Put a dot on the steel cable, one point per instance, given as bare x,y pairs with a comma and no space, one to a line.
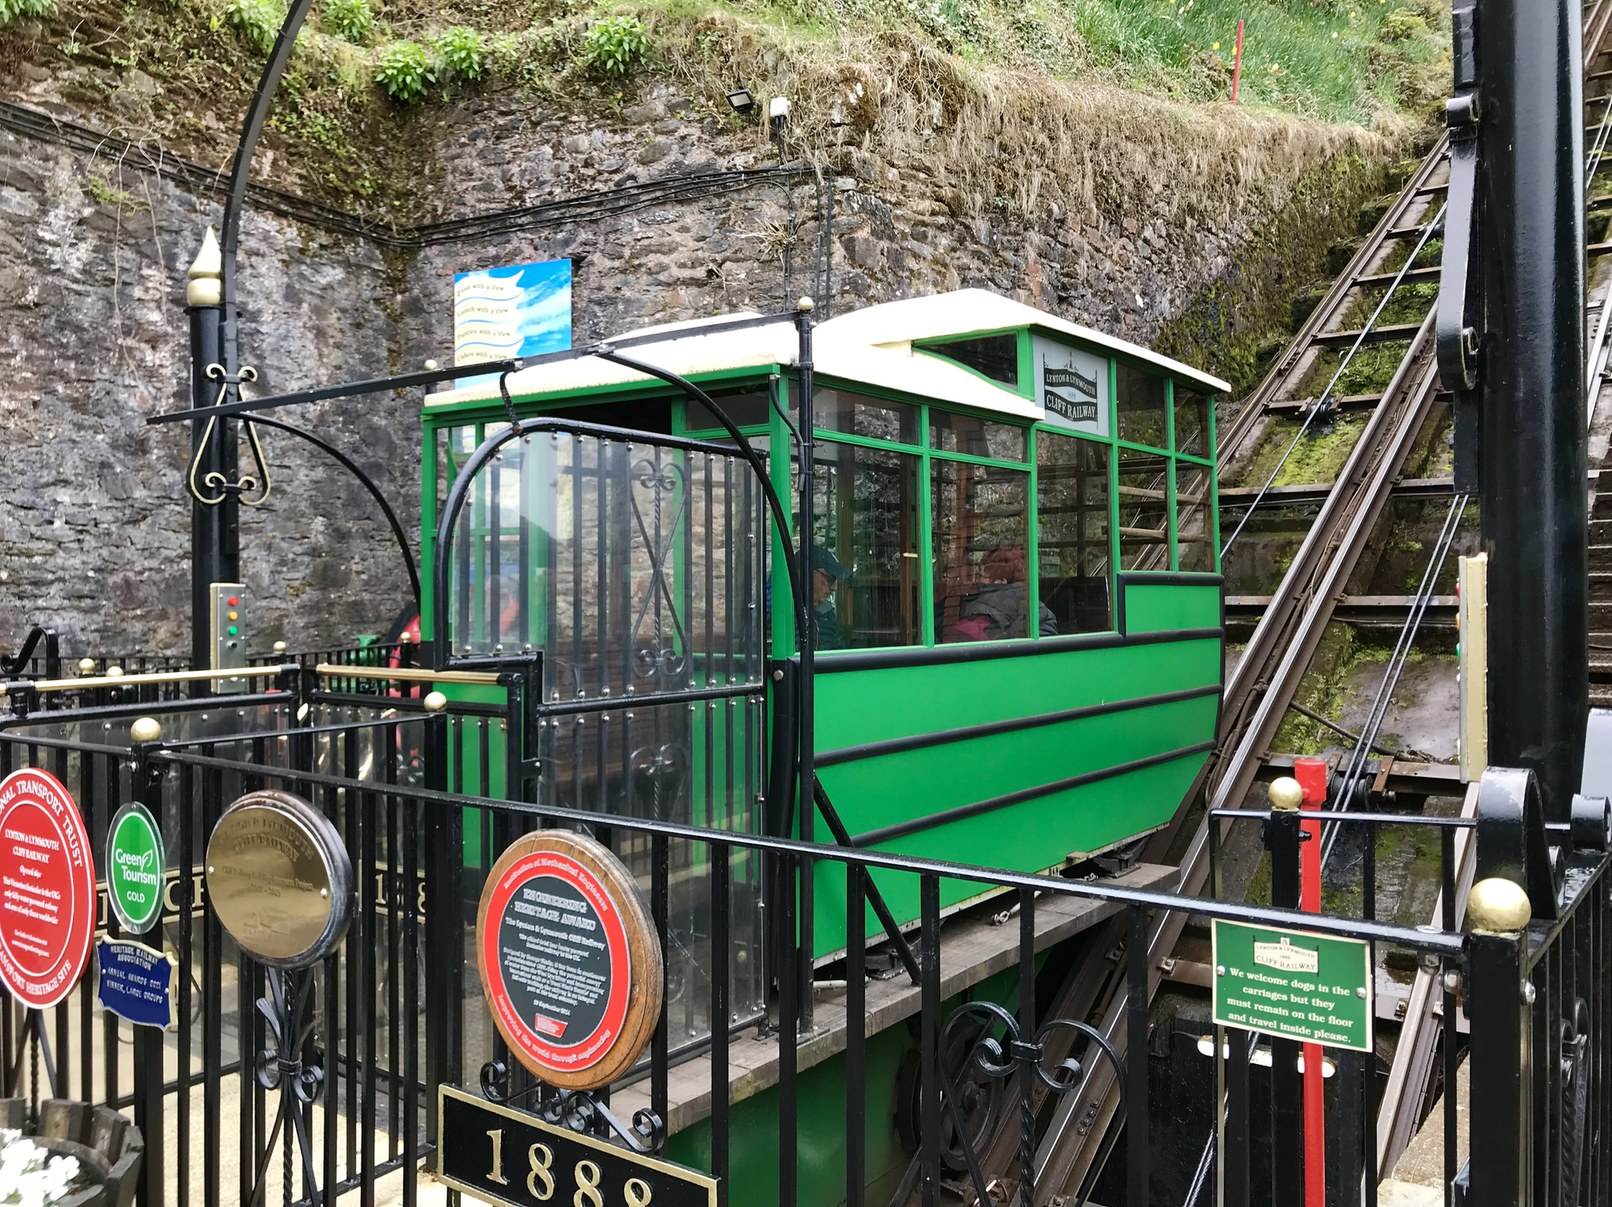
1320,405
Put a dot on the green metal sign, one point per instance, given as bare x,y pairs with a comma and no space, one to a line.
135,867
1293,984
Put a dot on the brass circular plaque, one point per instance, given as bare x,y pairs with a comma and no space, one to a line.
569,959
280,879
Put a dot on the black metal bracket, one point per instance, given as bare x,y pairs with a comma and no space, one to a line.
1512,840
1458,326
18,664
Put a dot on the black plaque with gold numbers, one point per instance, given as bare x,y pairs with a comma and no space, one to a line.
509,1156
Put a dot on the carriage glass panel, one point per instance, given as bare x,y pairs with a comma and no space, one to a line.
1194,527
1072,512
980,519
860,415
747,409
1144,510
1191,421
865,517
1143,417
977,437
995,357
635,566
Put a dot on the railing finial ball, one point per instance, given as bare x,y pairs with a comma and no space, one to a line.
1498,906
436,702
1285,794
114,672
86,666
145,729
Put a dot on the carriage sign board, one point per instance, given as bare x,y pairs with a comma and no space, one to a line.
47,889
1293,984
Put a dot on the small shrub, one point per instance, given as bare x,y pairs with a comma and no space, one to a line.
463,51
349,20
406,72
11,10
1402,25
259,20
614,45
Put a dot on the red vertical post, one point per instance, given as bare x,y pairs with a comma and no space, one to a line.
1312,777
1237,62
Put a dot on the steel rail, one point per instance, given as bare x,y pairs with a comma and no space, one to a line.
1093,1107
1284,371
1068,1168
1065,1165
1333,547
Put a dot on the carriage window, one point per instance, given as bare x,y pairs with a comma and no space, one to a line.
747,408
977,437
859,415
1194,536
866,573
1141,407
1072,509
981,533
1144,512
992,356
1191,422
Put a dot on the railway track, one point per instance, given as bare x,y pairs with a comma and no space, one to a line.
1260,689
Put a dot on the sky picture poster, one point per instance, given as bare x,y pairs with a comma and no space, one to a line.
514,311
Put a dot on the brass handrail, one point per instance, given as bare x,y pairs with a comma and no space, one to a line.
408,674
69,685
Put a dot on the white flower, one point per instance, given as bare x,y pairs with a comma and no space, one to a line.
30,1176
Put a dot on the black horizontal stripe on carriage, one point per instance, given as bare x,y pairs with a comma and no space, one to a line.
984,651
962,812
963,733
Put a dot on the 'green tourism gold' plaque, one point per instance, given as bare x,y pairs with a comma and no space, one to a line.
135,868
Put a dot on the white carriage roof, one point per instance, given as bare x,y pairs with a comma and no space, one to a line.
873,346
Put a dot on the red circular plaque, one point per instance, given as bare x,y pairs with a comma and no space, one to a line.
568,958
47,889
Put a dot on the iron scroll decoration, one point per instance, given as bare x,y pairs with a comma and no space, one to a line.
281,882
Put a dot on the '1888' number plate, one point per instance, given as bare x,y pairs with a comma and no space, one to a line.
509,1156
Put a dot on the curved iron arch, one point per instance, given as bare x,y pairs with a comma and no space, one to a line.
369,484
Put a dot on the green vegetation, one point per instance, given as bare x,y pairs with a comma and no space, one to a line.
406,72
615,45
1339,60
258,20
463,52
12,10
350,20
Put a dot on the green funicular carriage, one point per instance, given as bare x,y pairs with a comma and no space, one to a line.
1013,579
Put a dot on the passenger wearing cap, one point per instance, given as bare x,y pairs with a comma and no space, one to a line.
828,572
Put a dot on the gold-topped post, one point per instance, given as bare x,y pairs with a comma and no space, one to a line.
145,729
1285,794
1497,906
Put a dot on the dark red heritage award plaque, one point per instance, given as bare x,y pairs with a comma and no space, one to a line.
47,889
569,959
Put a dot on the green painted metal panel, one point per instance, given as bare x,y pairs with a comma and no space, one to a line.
1157,607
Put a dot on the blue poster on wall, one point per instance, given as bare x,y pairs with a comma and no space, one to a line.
519,310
